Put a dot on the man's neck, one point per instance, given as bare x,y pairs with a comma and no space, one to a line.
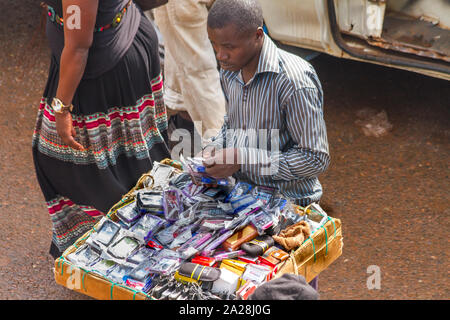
250,69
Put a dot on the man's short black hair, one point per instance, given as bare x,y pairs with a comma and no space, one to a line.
245,14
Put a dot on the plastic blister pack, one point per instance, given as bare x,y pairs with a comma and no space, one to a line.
262,221
173,204
147,226
167,235
183,236
119,273
143,271
195,167
242,202
195,244
123,246
104,266
161,173
140,255
264,194
187,217
84,256
107,231
239,190
166,262
213,245
128,213
181,181
149,202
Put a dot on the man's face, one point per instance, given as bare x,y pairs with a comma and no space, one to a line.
235,49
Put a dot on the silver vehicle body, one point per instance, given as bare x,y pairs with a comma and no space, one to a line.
412,35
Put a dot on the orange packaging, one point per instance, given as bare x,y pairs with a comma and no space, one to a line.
239,237
273,256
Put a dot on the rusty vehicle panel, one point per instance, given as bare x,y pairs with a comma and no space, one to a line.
412,35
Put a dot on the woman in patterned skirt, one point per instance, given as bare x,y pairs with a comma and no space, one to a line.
102,120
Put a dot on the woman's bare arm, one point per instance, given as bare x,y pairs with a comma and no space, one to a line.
77,41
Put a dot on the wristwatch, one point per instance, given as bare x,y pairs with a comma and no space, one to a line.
59,107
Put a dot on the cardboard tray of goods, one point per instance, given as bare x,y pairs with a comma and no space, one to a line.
315,254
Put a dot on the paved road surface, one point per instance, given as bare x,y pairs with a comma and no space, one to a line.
391,192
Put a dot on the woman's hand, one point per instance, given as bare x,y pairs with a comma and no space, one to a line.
66,131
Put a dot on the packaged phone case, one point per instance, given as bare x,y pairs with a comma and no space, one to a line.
147,226
126,225
211,247
288,217
264,194
181,237
257,273
252,208
165,265
140,255
212,225
119,273
107,231
194,244
188,217
262,221
316,214
198,272
104,266
204,261
149,201
195,167
239,190
143,271
173,204
168,234
242,202
228,255
181,181
123,247
84,256
154,244
128,213
161,173
196,164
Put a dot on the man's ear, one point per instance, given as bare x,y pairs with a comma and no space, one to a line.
259,33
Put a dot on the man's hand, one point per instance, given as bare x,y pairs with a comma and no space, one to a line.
222,163
65,130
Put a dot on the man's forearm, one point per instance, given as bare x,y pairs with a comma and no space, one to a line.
296,163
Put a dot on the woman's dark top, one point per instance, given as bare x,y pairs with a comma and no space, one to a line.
109,45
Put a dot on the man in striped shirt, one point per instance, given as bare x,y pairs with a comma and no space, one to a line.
274,132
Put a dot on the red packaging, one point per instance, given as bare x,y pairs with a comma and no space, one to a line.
249,259
204,261
246,290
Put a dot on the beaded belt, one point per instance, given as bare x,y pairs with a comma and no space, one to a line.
54,17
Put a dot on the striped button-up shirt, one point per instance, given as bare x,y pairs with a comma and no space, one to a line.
276,122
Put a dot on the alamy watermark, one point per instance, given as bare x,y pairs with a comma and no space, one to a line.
374,280
73,17
256,147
